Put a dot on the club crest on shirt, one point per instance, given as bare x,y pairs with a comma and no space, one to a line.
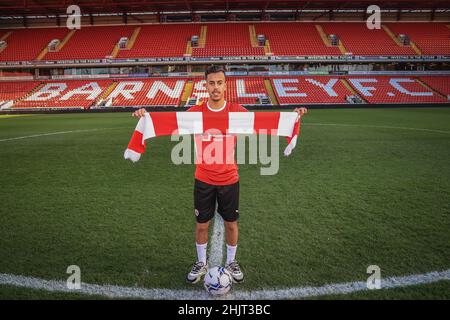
216,137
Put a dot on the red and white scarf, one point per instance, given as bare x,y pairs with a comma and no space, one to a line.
155,124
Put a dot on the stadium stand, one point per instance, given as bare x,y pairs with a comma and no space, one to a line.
291,39
323,89
359,40
388,89
440,84
91,43
13,90
161,41
172,40
26,44
244,90
234,41
148,92
430,38
61,94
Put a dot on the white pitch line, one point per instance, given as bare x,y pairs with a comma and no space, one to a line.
344,288
47,134
109,291
217,240
59,133
112,291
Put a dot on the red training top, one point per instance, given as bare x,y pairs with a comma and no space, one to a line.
215,163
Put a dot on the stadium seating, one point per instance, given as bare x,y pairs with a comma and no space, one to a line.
390,89
321,89
431,38
244,90
439,83
291,39
228,40
60,94
225,39
161,41
91,43
359,40
13,90
26,44
148,92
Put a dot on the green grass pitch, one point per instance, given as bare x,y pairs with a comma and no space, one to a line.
363,187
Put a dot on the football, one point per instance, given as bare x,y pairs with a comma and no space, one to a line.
218,281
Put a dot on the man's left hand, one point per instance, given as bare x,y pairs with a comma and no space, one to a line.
300,111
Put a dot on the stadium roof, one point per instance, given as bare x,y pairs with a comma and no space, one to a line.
58,7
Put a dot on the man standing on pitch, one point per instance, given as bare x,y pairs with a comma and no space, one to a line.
216,181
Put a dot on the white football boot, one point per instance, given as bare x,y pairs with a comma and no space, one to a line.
199,269
235,270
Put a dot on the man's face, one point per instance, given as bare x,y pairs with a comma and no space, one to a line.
215,83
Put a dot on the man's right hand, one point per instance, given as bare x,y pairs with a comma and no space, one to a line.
139,113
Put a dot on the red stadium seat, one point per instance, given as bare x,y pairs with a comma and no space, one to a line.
243,90
391,89
228,40
319,89
292,39
359,40
431,38
148,92
13,90
438,83
161,41
65,93
26,44
91,43
225,39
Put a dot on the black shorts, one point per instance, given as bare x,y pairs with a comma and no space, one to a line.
206,196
